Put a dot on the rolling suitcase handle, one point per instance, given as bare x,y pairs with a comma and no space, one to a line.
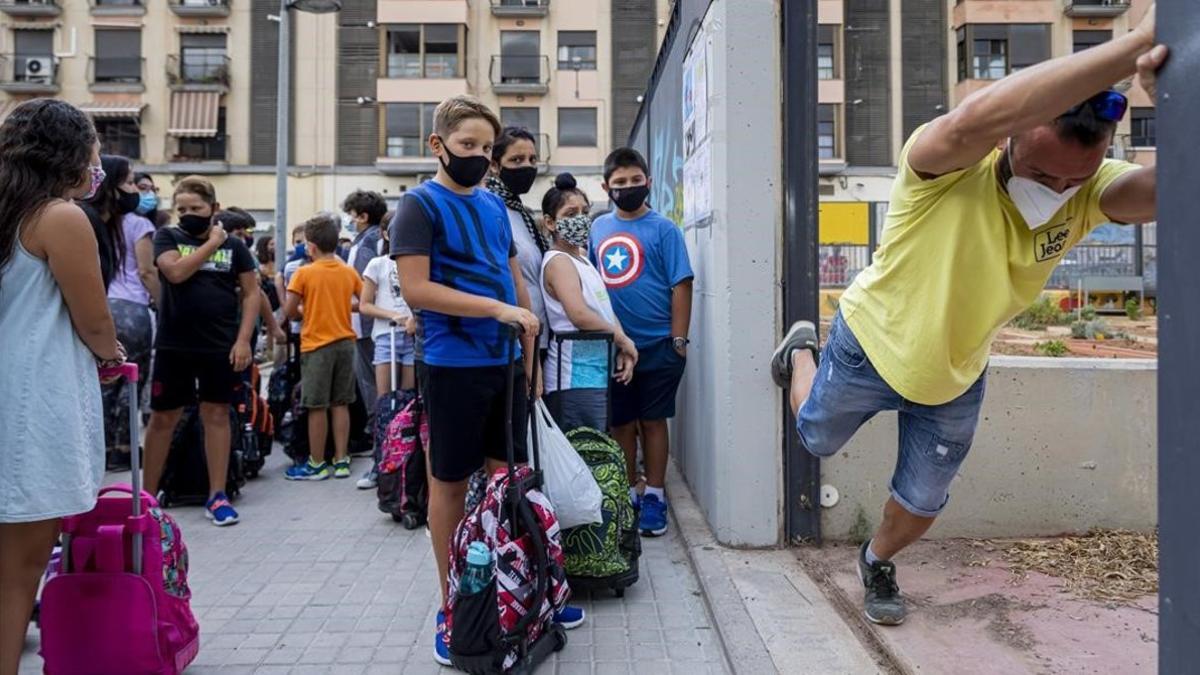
590,336
521,514
129,371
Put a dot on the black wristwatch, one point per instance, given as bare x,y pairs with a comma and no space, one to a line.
680,343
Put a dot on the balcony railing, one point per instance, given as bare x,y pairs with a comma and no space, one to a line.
201,150
199,73
1095,8
116,74
520,74
118,7
29,74
200,8
520,8
28,8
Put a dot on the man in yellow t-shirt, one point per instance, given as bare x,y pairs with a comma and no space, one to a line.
987,200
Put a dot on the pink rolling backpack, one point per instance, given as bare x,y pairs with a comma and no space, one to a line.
118,604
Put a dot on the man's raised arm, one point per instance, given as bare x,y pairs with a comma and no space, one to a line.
1025,100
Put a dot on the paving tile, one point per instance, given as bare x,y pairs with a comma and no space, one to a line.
313,581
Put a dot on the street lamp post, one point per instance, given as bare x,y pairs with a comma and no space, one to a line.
283,111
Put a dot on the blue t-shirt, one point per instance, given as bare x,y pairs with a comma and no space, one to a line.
469,243
640,261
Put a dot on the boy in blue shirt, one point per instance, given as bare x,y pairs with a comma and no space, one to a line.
644,262
458,267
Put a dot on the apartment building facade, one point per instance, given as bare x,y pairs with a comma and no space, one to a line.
883,72
189,86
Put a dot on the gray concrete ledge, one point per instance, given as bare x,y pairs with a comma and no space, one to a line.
770,615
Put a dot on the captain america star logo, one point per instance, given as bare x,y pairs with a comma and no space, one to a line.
621,260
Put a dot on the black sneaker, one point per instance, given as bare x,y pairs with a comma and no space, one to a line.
882,603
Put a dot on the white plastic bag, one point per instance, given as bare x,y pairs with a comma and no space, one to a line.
568,481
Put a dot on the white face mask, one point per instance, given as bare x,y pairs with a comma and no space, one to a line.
1036,202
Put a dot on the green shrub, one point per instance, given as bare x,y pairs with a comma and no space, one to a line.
1087,312
1091,330
1039,315
1133,309
1055,348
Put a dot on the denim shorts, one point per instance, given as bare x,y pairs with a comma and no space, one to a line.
934,440
383,349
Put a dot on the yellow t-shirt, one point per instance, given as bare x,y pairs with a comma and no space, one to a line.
957,262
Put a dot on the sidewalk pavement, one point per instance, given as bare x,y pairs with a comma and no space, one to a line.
316,580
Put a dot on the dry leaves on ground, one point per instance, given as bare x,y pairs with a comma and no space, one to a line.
1106,565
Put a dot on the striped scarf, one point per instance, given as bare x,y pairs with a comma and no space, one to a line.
512,201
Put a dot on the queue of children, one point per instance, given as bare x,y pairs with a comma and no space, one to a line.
436,290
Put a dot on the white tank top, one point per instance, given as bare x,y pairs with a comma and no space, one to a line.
584,364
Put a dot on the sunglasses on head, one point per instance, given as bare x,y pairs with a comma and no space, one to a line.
1109,106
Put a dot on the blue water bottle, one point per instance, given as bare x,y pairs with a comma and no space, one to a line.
479,569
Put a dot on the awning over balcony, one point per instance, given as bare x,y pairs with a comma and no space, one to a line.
194,114
110,110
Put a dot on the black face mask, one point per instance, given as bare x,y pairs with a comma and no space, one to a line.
195,225
466,171
127,202
630,198
519,181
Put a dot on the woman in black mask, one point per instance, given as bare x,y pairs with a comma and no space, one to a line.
106,210
127,248
514,169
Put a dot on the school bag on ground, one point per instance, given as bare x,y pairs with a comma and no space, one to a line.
508,627
118,602
602,556
185,476
256,426
401,486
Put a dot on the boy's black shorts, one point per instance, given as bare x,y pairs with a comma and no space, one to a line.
466,413
651,394
178,375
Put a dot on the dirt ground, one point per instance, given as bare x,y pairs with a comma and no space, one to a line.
969,613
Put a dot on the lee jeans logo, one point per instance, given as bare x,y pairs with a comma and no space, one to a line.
1052,243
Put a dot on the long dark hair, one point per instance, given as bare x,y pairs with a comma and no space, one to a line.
104,203
45,149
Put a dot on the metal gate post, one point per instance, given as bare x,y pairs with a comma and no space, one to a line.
802,471
1178,342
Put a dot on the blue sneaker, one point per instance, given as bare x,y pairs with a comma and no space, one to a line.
220,511
654,516
308,471
570,617
441,644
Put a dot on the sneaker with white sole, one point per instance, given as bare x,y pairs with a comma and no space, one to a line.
882,602
369,480
570,617
220,511
441,642
802,335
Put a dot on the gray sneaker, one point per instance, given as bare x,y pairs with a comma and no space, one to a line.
802,335
882,602
369,480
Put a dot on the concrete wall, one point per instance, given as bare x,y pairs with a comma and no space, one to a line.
1063,445
727,436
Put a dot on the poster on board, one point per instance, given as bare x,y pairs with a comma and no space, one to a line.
697,167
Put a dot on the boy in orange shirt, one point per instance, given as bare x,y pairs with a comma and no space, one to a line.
329,290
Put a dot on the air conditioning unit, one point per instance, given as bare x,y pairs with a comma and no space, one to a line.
39,69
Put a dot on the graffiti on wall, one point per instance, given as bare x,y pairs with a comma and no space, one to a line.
666,142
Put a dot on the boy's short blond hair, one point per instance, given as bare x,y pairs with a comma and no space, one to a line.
451,113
